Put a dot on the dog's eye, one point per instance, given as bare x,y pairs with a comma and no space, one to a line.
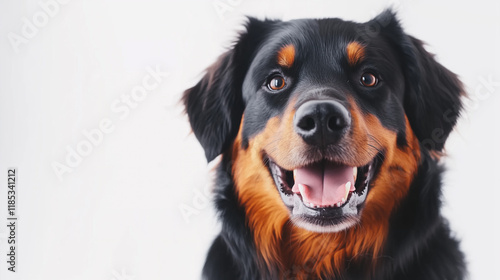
369,79
276,83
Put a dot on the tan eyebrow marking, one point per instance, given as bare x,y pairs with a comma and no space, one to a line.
286,56
355,53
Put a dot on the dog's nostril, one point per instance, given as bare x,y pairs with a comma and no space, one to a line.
307,124
336,123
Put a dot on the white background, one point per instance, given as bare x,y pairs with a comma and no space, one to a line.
116,214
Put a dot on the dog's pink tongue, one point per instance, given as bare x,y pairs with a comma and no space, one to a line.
324,184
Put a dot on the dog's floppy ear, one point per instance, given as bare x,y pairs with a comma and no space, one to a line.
432,99
215,105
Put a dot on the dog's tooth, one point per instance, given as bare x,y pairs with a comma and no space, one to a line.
302,188
347,190
355,173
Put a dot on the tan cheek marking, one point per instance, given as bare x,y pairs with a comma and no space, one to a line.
391,185
355,53
284,145
265,212
358,137
286,56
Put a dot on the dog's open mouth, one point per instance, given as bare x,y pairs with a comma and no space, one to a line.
324,196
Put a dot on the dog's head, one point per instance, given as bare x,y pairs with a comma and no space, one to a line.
324,119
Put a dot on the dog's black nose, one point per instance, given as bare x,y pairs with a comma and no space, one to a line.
321,122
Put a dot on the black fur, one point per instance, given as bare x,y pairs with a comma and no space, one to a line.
420,236
419,245
232,255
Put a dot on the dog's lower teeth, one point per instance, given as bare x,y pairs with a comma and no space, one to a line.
335,205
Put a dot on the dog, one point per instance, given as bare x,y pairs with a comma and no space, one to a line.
331,134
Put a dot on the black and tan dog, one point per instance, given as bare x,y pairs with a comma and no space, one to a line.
330,133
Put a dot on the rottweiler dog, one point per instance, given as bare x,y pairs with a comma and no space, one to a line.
331,134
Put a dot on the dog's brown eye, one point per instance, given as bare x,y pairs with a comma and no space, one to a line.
369,80
276,83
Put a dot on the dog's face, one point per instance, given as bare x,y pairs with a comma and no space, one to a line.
323,119
323,107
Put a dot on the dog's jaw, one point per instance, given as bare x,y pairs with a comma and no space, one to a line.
324,218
